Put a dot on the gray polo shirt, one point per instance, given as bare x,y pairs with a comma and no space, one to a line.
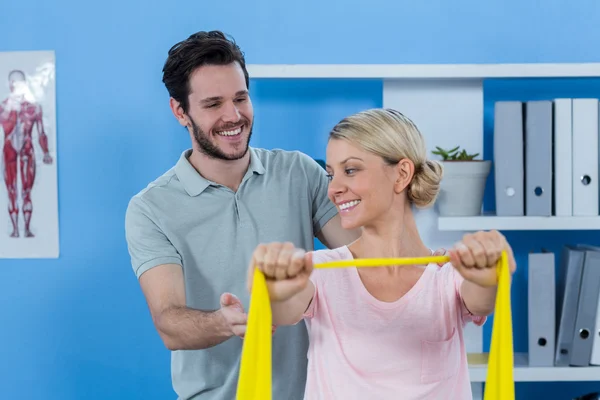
182,218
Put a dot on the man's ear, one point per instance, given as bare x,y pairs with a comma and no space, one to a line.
178,112
405,170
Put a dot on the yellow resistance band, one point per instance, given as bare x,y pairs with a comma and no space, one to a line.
256,370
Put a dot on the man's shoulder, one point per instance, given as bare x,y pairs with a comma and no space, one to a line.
275,158
155,190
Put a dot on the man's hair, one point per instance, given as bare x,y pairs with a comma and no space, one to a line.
201,48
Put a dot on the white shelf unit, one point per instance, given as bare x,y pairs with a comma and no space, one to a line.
517,223
424,71
524,373
446,103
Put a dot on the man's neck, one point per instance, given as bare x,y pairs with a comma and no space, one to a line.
224,172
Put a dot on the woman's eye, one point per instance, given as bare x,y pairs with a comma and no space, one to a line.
350,171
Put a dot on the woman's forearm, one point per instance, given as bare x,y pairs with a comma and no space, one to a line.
291,311
479,300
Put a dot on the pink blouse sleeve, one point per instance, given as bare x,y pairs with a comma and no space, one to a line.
315,278
466,315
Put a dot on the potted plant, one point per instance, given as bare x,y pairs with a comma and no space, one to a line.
463,184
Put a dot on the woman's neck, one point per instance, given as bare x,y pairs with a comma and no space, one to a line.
396,239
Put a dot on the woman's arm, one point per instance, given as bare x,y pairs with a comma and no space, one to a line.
287,271
291,311
479,300
476,258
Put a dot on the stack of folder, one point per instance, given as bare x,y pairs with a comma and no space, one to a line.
546,157
564,315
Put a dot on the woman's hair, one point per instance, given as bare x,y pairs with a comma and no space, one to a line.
392,136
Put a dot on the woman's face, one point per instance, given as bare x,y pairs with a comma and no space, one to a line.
362,186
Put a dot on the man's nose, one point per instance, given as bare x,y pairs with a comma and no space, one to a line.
231,113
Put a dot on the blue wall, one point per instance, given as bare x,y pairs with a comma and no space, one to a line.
78,327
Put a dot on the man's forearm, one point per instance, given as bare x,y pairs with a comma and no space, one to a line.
479,300
183,328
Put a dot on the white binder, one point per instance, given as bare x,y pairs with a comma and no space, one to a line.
595,358
563,157
539,186
509,158
585,157
542,309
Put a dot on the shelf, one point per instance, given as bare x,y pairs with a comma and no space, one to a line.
517,223
524,373
424,71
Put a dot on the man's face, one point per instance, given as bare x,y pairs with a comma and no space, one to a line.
220,111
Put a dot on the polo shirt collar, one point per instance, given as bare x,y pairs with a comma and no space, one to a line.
194,183
256,166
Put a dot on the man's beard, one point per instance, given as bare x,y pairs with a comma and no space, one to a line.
213,151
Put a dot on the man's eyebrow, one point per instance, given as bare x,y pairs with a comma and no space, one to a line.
219,98
211,99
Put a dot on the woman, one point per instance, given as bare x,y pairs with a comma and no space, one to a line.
383,332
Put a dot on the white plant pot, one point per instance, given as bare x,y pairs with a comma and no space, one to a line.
462,187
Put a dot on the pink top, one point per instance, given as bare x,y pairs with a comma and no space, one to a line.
363,348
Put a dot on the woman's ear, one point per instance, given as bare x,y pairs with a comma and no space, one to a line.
405,172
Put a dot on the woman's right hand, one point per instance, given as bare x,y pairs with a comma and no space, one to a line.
286,269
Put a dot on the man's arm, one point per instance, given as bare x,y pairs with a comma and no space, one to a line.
181,327
333,235
158,267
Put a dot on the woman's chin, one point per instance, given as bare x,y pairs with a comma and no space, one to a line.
349,224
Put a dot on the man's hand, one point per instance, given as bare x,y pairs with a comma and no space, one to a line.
233,313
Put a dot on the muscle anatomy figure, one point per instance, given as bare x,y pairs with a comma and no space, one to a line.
18,117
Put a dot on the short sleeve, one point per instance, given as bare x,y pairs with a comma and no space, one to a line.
466,315
322,208
317,257
147,244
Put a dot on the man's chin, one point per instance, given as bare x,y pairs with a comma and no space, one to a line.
230,153
236,155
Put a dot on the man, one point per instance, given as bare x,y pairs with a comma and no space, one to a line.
192,231
18,117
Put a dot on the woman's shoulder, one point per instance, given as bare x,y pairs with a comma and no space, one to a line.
329,255
337,254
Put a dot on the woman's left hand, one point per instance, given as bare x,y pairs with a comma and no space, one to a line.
477,255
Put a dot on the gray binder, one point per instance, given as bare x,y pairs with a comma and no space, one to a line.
539,191
568,284
587,307
509,158
542,309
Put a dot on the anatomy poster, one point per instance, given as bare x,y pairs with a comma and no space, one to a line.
28,191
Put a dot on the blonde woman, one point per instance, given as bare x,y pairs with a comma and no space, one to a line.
384,332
